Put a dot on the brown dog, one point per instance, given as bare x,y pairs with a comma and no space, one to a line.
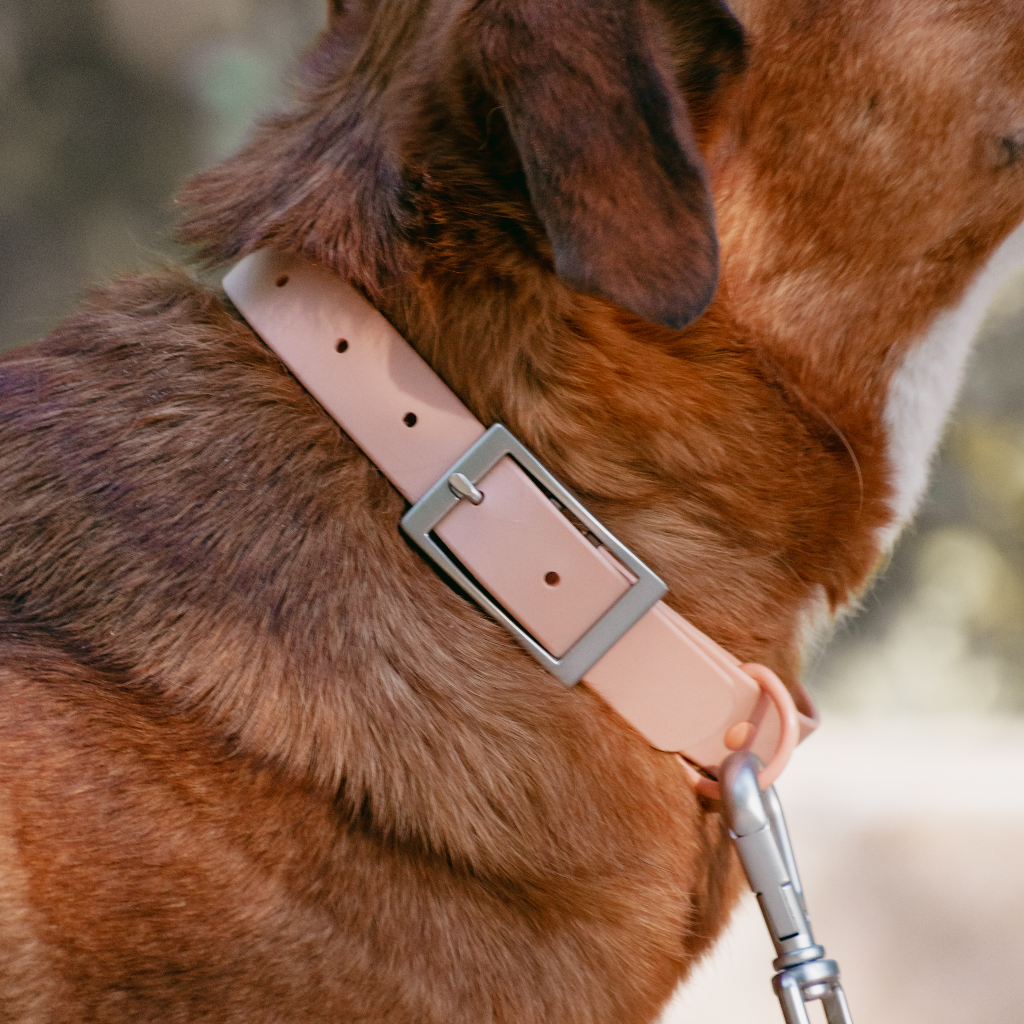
259,762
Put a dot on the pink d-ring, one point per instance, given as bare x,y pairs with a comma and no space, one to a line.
789,733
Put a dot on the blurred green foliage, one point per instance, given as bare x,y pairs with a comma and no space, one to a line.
106,106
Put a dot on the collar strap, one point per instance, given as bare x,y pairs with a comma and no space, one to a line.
493,519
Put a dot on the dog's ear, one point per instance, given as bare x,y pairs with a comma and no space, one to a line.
709,49
594,93
590,92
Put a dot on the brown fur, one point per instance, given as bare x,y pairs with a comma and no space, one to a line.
259,762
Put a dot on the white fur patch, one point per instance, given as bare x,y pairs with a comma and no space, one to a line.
924,388
815,622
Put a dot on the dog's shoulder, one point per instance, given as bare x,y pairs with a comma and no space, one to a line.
136,332
155,375
159,465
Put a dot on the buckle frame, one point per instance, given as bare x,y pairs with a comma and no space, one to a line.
497,442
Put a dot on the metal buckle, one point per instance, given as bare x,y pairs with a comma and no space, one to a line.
758,827
420,521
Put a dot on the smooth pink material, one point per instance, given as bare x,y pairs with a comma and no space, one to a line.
514,541
784,712
673,683
373,385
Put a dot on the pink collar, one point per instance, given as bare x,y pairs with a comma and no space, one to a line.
495,521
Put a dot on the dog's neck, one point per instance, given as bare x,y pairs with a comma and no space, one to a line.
600,618
756,447
753,468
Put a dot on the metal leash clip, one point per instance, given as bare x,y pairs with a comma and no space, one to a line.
757,825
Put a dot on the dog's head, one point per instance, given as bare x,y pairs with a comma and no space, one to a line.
430,129
879,161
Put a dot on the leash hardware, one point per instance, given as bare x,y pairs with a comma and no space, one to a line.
758,826
497,442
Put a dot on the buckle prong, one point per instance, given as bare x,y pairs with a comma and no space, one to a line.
463,488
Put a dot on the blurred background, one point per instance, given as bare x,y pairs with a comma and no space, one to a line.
907,808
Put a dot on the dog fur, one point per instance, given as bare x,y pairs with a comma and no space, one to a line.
258,761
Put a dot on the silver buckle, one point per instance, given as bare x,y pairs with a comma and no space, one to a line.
419,523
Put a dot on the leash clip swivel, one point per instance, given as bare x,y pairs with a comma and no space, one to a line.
757,825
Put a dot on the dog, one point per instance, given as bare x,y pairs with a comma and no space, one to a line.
259,761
